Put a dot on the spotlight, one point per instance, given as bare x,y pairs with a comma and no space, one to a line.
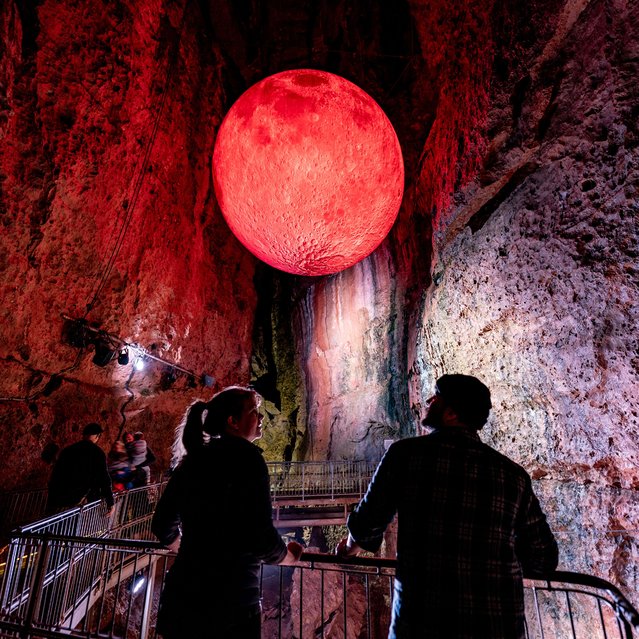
75,333
139,364
104,352
123,357
167,379
208,381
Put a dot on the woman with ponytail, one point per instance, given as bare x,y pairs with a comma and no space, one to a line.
217,510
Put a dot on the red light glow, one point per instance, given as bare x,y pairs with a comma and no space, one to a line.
308,172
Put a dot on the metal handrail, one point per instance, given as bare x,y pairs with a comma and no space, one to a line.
579,579
90,517
124,559
320,479
289,480
379,563
95,534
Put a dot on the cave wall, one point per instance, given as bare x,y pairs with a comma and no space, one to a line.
527,175
536,289
456,42
514,256
534,279
106,152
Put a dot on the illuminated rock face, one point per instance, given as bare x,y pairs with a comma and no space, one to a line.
514,256
76,118
308,172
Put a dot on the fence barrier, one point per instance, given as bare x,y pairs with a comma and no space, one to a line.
80,573
313,480
63,586
297,481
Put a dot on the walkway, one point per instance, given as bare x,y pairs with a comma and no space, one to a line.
63,574
303,493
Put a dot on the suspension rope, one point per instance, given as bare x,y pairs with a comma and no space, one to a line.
139,181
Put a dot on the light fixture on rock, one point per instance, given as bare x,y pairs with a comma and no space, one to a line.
208,380
76,332
104,351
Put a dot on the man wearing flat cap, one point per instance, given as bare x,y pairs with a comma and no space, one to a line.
469,524
80,474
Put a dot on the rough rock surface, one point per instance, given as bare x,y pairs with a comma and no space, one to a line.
106,152
514,256
535,282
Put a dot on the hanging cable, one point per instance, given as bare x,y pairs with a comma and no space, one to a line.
137,187
54,382
129,399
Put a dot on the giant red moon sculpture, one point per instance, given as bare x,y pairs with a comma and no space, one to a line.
308,172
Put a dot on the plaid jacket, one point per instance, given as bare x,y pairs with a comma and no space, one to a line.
468,524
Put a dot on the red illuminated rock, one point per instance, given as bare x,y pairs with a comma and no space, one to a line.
308,172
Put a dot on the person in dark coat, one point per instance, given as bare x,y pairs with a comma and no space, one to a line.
216,509
469,525
80,474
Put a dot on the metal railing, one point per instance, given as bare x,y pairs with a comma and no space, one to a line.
65,586
130,519
20,507
313,480
298,481
62,576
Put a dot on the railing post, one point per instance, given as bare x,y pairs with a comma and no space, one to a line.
303,482
36,590
12,563
67,584
148,599
77,531
332,480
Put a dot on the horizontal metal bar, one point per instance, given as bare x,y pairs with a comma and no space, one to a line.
558,577
580,579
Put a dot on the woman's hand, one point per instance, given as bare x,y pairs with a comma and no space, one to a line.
347,548
174,546
293,553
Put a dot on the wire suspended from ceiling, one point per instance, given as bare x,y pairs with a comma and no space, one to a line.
139,181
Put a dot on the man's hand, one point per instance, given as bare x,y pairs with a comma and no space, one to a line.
293,553
174,546
347,548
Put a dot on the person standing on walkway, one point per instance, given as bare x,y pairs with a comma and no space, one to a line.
80,474
140,457
469,525
216,509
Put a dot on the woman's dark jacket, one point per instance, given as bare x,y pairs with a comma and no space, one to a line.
220,499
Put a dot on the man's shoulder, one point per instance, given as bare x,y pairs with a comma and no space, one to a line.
432,443
503,460
88,449
410,446
77,448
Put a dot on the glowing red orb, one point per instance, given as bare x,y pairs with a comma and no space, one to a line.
308,172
